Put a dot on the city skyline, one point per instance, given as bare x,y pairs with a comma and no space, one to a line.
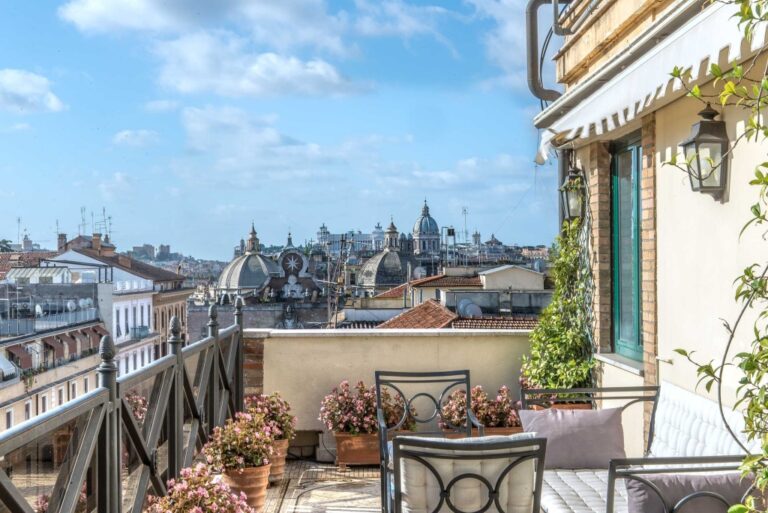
190,123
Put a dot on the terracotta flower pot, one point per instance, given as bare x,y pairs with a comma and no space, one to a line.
356,449
278,461
489,431
252,481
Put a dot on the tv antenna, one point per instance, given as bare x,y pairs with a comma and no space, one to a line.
465,212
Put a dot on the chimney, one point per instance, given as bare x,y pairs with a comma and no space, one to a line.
96,242
62,246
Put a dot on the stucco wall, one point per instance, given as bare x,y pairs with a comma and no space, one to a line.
304,365
513,278
632,417
700,252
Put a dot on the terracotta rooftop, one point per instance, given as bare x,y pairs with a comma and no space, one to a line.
22,259
516,322
429,314
394,292
133,266
433,281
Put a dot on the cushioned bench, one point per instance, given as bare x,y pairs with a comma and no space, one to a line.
686,435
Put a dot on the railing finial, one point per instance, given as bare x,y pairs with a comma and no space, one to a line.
213,314
107,349
175,327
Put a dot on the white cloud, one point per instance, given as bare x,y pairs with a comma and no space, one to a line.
135,138
161,105
116,185
23,92
282,24
16,127
396,18
506,45
221,63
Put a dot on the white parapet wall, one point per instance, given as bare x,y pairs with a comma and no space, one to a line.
304,365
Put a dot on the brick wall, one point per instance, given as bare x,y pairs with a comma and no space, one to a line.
253,365
598,171
648,258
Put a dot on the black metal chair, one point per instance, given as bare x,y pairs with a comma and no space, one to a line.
433,387
469,475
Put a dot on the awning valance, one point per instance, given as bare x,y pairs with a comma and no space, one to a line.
71,341
56,345
23,357
642,85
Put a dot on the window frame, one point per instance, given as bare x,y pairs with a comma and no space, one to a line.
622,347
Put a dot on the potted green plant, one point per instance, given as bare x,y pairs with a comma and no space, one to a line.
350,413
498,415
241,451
197,489
276,411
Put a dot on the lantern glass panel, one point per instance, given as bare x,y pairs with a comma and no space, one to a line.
693,164
710,158
574,202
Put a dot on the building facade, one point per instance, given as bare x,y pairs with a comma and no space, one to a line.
663,256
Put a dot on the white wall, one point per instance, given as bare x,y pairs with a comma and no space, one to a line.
125,304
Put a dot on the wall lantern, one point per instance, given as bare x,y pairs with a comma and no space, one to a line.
572,193
706,154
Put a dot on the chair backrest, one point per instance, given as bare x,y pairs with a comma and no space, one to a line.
420,389
689,425
495,474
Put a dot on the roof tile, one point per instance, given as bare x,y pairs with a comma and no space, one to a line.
429,314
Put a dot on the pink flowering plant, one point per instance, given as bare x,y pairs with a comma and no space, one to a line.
491,412
43,502
138,404
197,491
245,441
276,410
352,410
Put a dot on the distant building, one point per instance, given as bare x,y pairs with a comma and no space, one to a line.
146,251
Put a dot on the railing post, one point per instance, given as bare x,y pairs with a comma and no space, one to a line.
176,404
109,450
239,381
213,391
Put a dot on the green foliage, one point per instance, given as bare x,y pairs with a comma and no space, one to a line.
5,246
561,353
746,87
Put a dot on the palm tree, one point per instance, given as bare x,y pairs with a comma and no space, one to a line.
5,246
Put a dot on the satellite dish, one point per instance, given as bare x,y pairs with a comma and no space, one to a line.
71,306
467,308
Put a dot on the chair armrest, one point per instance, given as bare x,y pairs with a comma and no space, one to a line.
623,468
475,422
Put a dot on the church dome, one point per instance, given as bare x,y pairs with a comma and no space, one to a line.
249,272
425,224
385,269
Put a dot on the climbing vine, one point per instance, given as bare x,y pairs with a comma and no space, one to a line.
561,352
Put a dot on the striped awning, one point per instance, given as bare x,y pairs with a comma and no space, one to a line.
646,84
24,359
56,345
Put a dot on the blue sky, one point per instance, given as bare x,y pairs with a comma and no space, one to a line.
187,119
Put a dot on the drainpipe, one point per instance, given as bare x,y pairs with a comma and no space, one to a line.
532,40
563,158
576,25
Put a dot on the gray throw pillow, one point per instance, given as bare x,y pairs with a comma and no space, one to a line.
642,498
577,438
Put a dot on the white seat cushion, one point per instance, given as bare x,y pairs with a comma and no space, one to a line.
580,491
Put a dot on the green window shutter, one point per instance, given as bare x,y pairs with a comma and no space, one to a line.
625,213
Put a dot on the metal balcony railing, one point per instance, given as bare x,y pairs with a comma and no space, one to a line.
122,444
139,332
